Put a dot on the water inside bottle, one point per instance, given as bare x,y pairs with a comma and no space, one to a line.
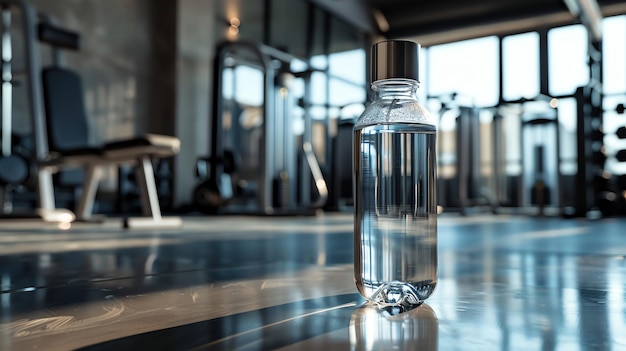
395,213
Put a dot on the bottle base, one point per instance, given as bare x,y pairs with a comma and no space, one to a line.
399,294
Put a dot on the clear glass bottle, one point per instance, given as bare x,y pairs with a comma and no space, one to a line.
395,229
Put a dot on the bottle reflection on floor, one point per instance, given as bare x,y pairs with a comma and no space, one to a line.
373,328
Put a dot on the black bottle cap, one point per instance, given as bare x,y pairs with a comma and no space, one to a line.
395,59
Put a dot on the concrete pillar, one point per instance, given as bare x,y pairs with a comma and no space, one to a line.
194,61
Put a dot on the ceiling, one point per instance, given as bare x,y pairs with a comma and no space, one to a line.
439,21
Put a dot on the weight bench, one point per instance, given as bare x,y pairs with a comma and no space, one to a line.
67,134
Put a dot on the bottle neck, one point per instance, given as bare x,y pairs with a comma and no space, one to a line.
395,88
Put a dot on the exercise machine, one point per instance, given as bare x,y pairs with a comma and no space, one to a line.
256,160
462,185
541,155
528,156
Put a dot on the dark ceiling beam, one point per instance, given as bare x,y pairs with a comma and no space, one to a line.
488,29
428,23
354,12
479,27
437,22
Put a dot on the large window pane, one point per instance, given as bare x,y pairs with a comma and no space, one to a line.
343,93
614,54
349,65
248,86
567,124
520,66
346,66
469,68
423,75
318,88
567,59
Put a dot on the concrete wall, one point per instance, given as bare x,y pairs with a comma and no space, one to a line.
127,61
194,62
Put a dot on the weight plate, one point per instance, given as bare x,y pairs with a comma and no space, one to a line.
13,169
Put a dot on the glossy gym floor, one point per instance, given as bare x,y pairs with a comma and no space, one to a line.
267,283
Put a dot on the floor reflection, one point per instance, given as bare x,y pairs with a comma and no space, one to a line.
374,329
268,328
66,277
505,283
533,301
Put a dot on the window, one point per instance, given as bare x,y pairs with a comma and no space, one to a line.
469,68
567,59
614,55
349,65
347,82
567,124
520,66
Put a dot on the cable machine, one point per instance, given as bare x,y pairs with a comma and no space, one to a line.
253,166
461,183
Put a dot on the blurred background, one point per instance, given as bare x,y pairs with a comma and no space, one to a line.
528,96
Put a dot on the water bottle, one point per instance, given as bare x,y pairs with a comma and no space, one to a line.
395,213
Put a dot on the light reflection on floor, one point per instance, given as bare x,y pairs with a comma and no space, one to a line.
506,283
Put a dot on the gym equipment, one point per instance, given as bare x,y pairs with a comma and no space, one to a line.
543,129
591,156
461,184
14,167
254,159
36,28
471,188
209,195
533,182
341,194
621,182
67,137
60,134
611,187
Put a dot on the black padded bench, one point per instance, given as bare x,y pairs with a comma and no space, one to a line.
68,132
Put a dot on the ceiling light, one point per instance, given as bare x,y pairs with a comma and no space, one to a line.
381,20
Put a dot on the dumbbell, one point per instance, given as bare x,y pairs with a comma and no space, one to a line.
212,193
620,108
14,169
207,196
621,132
621,155
228,161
